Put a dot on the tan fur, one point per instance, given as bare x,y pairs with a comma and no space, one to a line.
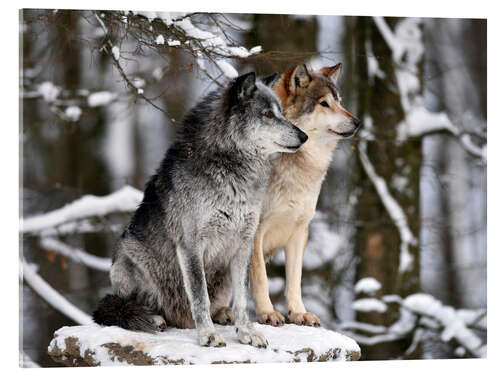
293,192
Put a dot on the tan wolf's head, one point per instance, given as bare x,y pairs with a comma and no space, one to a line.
311,101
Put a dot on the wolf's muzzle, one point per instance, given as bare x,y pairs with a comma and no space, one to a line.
357,123
302,136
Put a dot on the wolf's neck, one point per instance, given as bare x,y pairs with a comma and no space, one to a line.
311,161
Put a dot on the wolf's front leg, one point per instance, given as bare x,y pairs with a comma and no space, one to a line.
239,275
195,284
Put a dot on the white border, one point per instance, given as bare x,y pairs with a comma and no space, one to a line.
9,148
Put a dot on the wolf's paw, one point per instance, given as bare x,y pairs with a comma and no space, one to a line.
272,318
248,335
224,316
159,322
210,338
304,319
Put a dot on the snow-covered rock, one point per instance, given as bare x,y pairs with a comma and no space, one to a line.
93,345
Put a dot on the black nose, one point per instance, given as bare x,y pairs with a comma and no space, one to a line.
302,137
356,122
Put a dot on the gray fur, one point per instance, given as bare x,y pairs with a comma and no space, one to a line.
190,241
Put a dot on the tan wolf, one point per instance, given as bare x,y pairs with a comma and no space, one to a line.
311,101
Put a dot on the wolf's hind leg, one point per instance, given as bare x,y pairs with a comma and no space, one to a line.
260,288
160,323
294,252
219,305
224,316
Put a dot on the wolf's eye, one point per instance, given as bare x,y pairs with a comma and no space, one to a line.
324,104
268,113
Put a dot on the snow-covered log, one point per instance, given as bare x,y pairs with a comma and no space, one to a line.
93,345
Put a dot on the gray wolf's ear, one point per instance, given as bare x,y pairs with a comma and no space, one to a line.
300,78
245,85
333,72
269,80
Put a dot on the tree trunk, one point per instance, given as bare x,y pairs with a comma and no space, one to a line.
378,239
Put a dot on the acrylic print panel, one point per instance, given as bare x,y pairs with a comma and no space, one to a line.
394,266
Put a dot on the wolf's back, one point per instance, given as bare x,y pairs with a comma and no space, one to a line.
125,313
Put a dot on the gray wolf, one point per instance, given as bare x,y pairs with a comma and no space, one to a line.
312,102
190,241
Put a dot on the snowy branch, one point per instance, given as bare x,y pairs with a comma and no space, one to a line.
66,104
78,255
50,295
393,208
420,313
124,200
178,30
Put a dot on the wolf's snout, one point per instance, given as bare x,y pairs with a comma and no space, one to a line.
302,136
357,122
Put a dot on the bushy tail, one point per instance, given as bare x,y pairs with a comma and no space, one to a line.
125,313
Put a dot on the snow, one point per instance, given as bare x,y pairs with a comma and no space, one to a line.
399,183
116,52
192,31
323,242
29,274
367,285
322,247
406,42
181,344
372,62
419,121
460,351
173,43
124,200
276,285
255,50
100,98
212,42
73,113
48,91
26,361
417,312
160,39
453,325
226,68
140,91
369,304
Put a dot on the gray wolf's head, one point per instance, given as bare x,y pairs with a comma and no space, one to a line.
256,113
312,101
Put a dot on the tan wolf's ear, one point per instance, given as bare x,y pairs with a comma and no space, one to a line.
299,78
333,72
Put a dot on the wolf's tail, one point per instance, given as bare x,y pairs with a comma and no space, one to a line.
125,313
